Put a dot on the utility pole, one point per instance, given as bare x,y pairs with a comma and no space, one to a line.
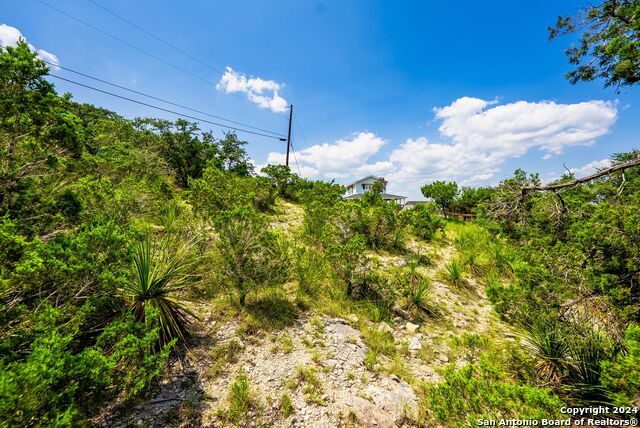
289,134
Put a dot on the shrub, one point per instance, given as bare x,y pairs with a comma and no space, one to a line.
621,376
250,254
424,222
308,269
240,399
484,392
350,263
54,385
160,273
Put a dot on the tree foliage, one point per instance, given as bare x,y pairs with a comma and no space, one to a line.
443,193
609,46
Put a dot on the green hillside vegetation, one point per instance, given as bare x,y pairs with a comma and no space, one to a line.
115,233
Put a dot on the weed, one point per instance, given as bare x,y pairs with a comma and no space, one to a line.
286,405
240,399
223,354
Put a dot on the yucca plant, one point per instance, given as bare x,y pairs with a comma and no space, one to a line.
587,353
453,273
501,260
473,262
548,340
160,273
420,297
170,215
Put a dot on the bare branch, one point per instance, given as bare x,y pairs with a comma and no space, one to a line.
553,187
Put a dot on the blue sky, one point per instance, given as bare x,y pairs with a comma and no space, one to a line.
414,91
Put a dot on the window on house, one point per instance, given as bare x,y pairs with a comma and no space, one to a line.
367,186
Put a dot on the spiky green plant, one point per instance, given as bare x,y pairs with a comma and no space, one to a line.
548,340
170,215
160,272
420,297
453,273
501,260
587,354
472,260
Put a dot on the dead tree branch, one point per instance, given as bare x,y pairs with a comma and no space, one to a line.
554,187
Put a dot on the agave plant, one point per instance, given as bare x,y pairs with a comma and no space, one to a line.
159,274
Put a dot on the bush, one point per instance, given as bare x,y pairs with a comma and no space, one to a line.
350,263
56,386
621,376
220,190
483,392
249,253
424,222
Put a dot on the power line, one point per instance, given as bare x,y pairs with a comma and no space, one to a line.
161,99
167,110
295,158
93,27
306,144
149,33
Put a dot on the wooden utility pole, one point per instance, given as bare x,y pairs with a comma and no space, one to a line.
289,134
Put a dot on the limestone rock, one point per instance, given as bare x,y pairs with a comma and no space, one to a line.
411,328
415,344
383,327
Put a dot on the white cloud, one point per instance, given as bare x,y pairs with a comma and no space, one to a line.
9,36
591,167
478,138
264,93
340,159
343,157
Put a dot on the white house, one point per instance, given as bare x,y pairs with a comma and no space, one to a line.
360,187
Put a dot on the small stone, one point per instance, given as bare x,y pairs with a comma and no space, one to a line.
383,327
411,327
353,318
415,344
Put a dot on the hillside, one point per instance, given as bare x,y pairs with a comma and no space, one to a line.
149,276
336,363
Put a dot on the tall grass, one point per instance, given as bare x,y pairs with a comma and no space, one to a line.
160,273
309,270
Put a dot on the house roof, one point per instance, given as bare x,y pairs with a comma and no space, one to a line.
363,178
383,195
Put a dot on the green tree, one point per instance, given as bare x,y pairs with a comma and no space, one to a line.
609,46
443,193
186,151
249,252
280,176
233,156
